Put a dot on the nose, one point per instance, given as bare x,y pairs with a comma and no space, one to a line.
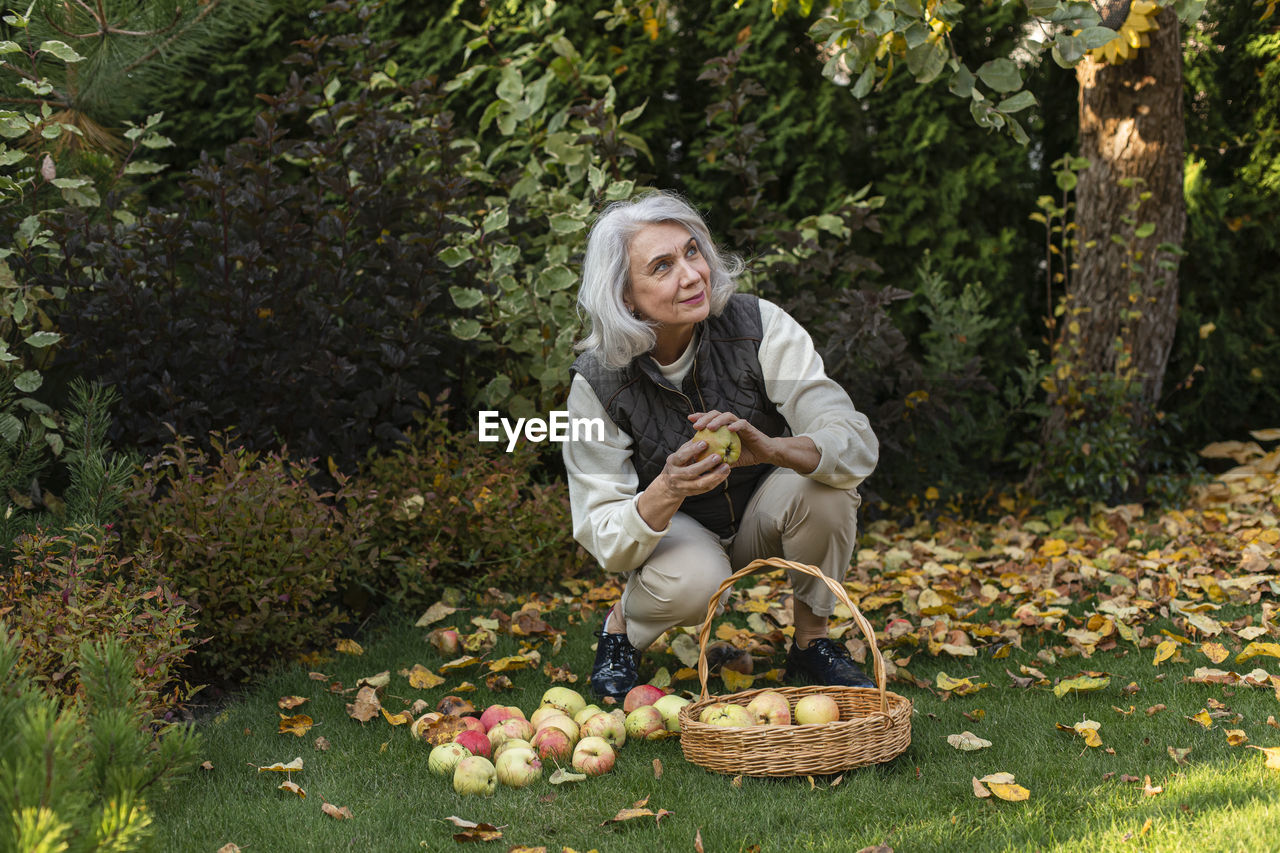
689,272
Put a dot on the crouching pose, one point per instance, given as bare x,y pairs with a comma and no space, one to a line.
673,349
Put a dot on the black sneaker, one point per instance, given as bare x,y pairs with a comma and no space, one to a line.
615,671
825,662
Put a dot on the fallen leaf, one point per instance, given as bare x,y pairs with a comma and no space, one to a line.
1148,790
1156,709
632,814
1253,650
297,725
322,744
967,741
397,719
561,776
288,703
1179,754
735,681
1082,684
657,768
998,778
1202,718
434,614
1272,753
697,841
959,686
422,678
459,663
377,682
979,789
366,706
1164,651
293,788
1236,737
292,767
229,848
349,647
339,813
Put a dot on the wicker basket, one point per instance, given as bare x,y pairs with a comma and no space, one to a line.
874,724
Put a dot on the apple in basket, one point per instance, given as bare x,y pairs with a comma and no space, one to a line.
727,714
817,708
771,708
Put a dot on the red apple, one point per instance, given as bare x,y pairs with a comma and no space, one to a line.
473,724
645,723
551,743
593,756
476,743
610,726
817,708
771,708
642,694
446,640
495,714
516,728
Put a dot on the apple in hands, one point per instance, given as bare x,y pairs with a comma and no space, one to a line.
722,442
817,708
771,708
518,767
475,775
593,756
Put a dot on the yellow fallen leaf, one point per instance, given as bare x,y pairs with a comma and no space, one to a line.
1149,790
511,663
349,647
1272,753
1202,718
1088,729
293,788
1082,684
434,614
1164,651
998,778
1215,652
967,741
959,686
735,681
292,767
422,678
1236,737
336,812
377,682
297,725
288,703
397,719
979,789
1253,650
459,663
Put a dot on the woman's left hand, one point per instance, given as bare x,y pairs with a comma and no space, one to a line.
757,447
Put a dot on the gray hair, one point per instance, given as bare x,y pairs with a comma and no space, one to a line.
616,336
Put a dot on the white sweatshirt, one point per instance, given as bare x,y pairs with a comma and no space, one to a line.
603,480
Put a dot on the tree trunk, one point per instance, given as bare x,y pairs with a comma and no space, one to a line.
1131,127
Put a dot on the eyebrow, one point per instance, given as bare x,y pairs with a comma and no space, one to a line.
665,255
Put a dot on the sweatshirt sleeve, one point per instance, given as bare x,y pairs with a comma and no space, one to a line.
603,489
814,404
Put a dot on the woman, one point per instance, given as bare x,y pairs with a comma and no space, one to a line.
674,349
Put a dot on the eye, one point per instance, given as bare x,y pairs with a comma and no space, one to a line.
692,251
661,266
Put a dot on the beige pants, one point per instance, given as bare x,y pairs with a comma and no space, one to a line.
789,516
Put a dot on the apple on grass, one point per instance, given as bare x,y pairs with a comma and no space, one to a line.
513,727
817,708
586,714
445,757
495,714
473,724
593,756
669,706
518,767
645,723
511,743
542,712
566,699
771,708
552,743
612,726
475,742
564,724
642,694
727,714
475,775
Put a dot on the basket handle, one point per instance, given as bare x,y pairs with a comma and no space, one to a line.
755,567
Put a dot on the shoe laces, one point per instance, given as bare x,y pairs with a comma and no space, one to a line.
617,649
827,649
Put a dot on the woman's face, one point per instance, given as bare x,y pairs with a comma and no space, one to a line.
670,280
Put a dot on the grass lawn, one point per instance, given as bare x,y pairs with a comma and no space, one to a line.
1222,798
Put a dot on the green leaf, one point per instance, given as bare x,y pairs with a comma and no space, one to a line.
510,85
60,49
331,88
866,80
10,428
496,219
455,255
1015,103
1145,230
563,223
143,167
466,297
1001,75
556,277
927,61
962,82
28,381
1069,48
40,340
9,47
1096,36
465,329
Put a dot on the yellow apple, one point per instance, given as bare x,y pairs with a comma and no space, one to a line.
722,442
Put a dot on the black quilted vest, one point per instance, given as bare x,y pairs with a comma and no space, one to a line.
725,375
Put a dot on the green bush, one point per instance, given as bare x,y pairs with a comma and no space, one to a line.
74,773
63,589
251,544
451,511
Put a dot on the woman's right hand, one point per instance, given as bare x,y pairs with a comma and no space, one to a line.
685,474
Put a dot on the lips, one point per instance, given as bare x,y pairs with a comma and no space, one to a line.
695,300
